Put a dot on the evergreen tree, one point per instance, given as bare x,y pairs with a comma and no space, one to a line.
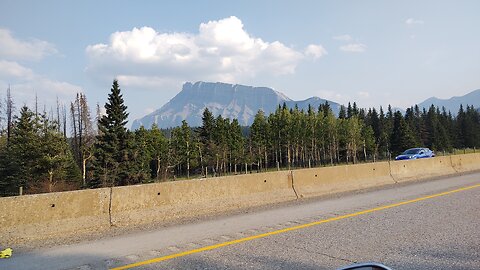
207,143
20,162
111,146
402,137
259,135
342,114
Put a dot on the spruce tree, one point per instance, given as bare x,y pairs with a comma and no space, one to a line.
111,146
402,137
205,134
259,138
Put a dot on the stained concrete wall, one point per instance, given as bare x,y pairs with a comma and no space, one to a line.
327,180
408,170
466,163
171,200
47,215
38,216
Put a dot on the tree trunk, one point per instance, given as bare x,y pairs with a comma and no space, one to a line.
158,168
50,181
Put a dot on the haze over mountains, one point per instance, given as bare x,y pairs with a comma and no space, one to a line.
453,104
243,102
229,100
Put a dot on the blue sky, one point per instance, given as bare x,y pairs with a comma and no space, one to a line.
372,52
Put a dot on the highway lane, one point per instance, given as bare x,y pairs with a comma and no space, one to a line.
435,233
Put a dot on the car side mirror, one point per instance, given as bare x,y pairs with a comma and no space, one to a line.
366,266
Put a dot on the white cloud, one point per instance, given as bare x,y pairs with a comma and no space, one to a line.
343,38
221,50
14,49
363,94
412,21
25,83
354,47
315,51
9,69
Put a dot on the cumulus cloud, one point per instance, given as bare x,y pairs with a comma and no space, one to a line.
315,51
15,49
412,21
9,69
221,50
354,47
25,83
343,38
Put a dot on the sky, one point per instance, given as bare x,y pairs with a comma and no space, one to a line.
372,52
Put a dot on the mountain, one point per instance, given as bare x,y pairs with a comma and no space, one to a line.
231,101
453,104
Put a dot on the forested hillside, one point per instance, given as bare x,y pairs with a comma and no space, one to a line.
40,152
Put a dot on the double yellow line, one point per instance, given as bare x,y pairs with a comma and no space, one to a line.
258,236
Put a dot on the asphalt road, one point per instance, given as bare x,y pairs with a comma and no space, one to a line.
387,225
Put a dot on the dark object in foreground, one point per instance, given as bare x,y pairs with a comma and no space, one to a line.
365,266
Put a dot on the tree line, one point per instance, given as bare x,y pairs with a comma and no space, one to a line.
38,154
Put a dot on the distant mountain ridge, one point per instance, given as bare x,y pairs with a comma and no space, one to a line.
453,104
229,100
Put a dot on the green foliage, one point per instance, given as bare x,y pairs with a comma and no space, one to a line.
111,147
37,156
402,137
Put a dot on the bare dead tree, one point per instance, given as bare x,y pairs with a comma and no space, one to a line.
83,132
2,118
58,117
10,108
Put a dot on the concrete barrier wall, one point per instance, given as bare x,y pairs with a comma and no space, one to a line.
409,170
466,163
39,216
327,180
171,200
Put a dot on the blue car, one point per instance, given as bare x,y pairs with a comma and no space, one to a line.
415,153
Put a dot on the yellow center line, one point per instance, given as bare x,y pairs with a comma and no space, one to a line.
258,236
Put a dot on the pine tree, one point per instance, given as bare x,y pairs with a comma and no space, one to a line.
24,150
111,146
402,137
342,114
205,135
259,135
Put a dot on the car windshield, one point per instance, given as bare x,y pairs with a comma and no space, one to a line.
412,151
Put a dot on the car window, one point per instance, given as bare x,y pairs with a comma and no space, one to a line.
411,151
